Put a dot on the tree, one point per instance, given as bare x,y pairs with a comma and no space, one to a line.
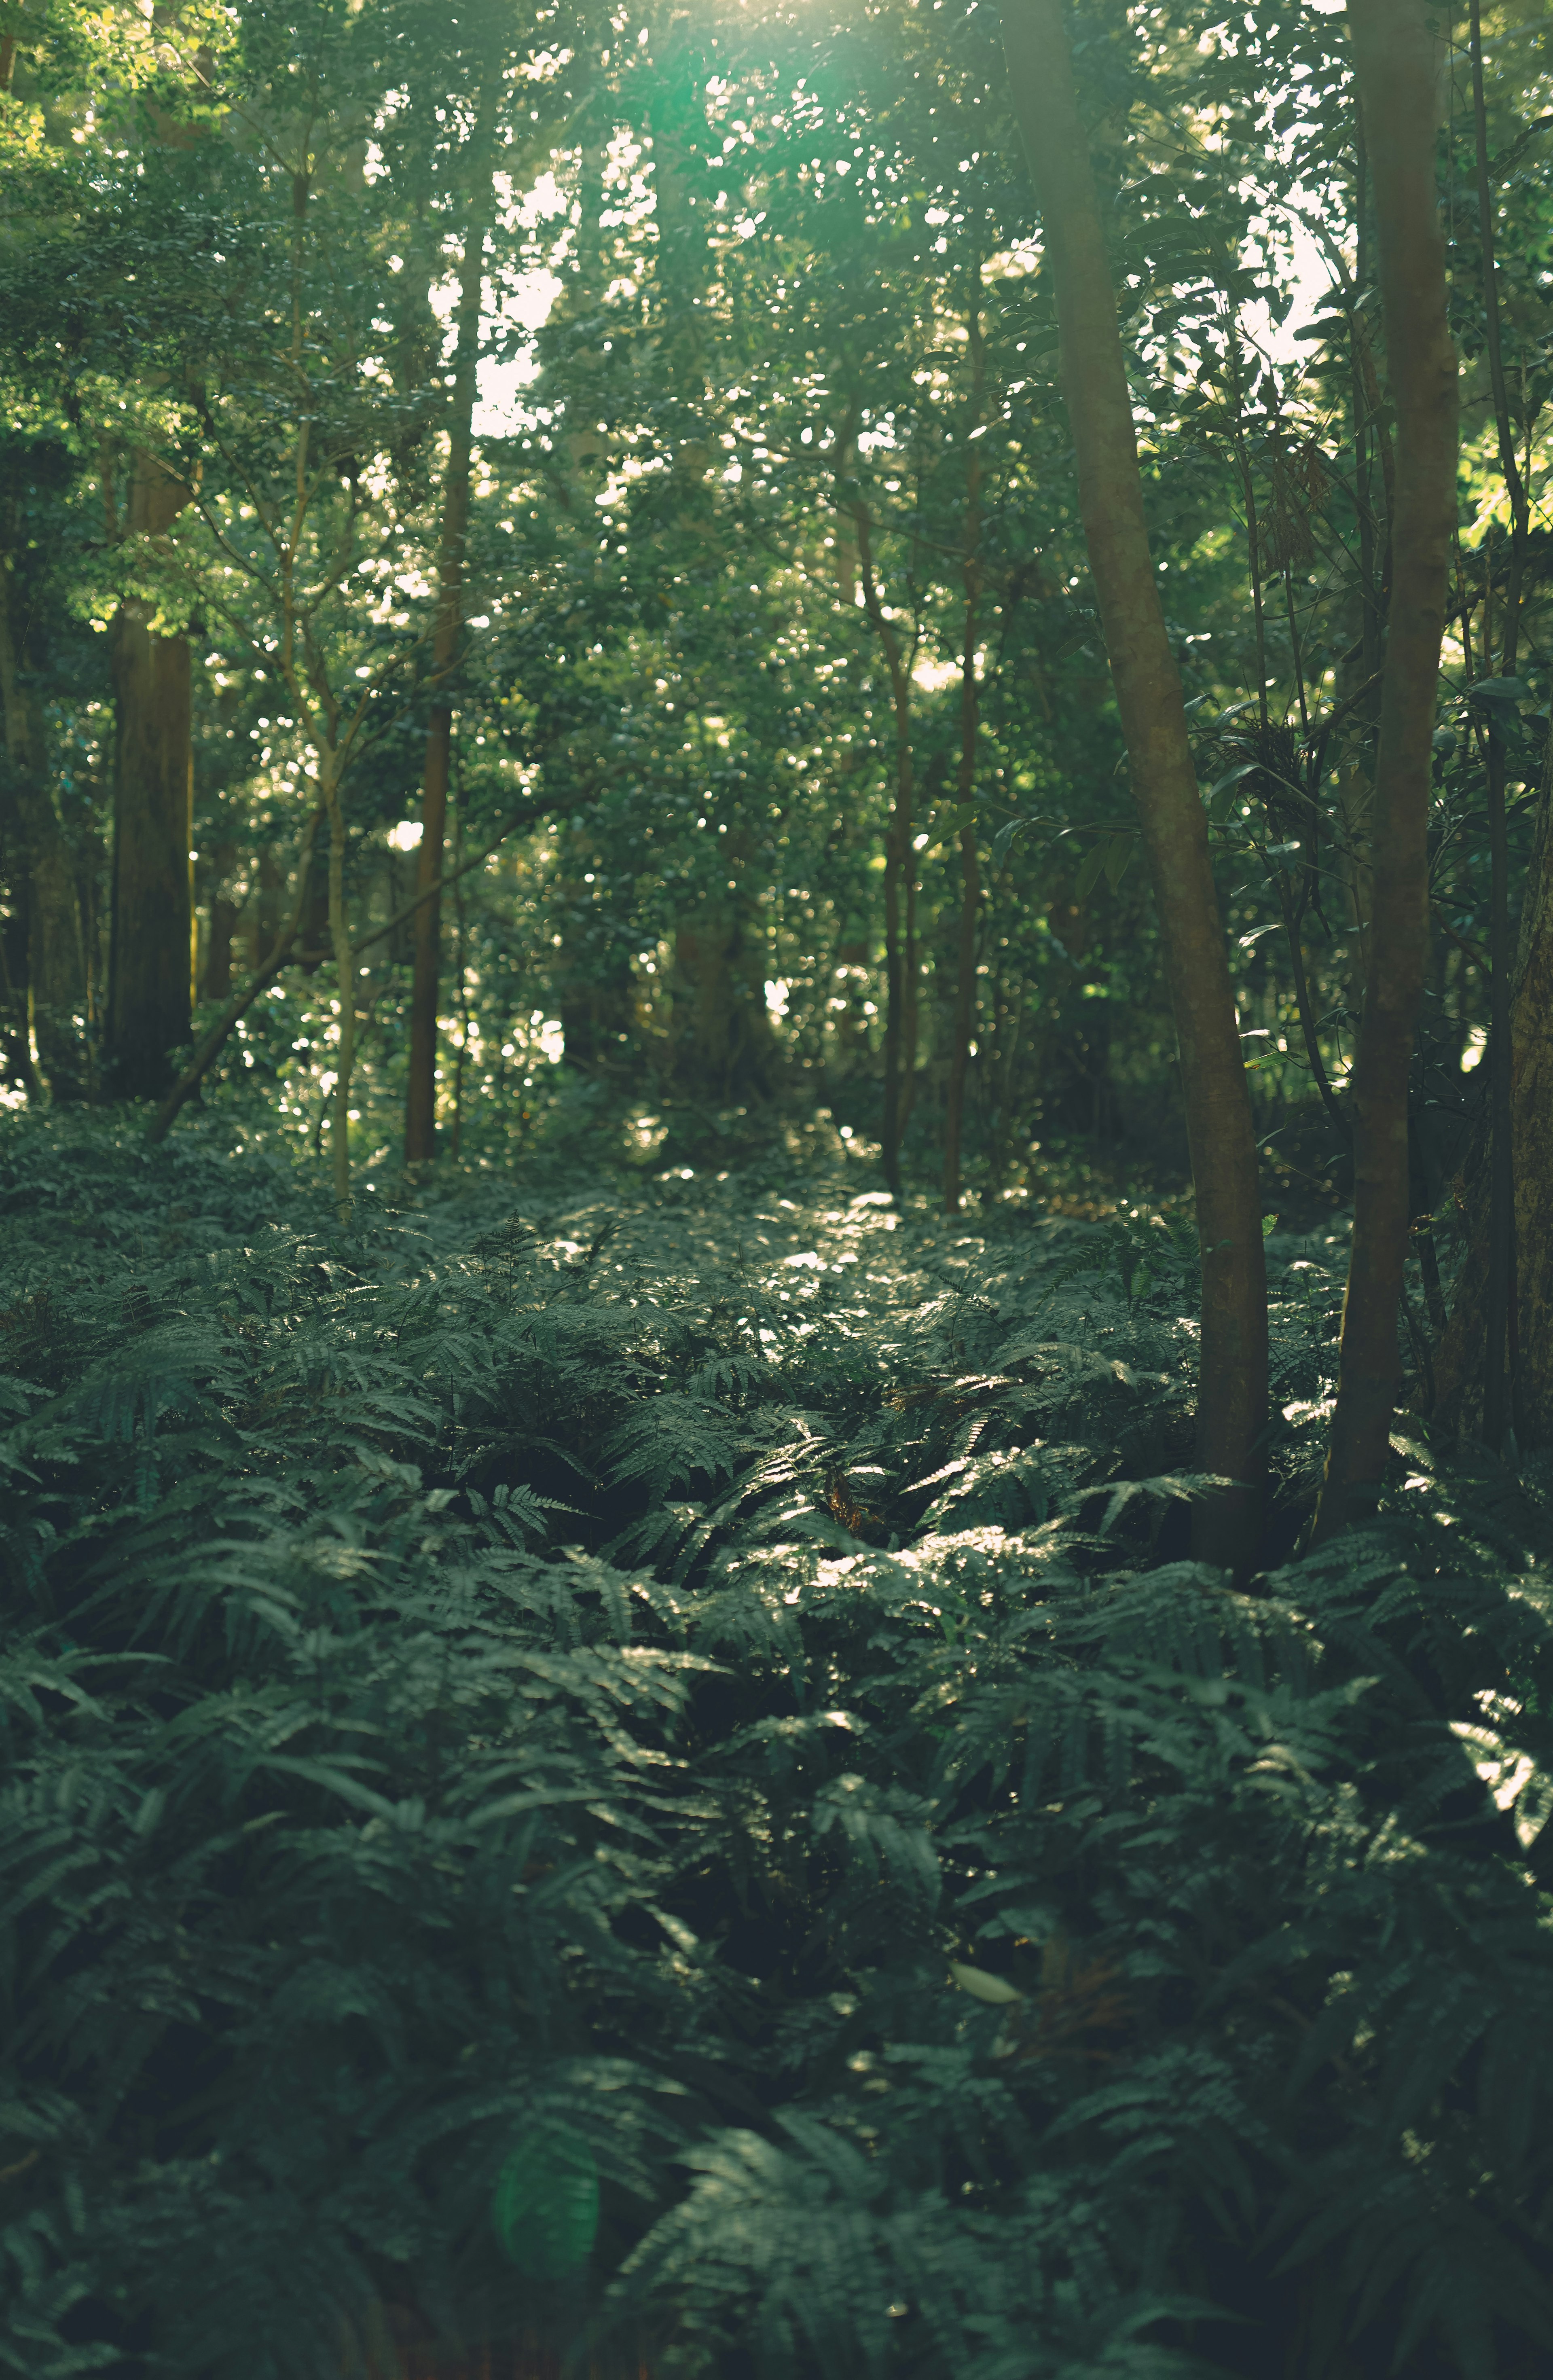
1499,1339
52,949
1397,62
151,964
965,772
1232,1384
472,173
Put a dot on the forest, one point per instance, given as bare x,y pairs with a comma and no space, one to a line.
776,1190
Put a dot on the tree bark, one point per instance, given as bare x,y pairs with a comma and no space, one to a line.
970,705
721,1032
420,1105
151,949
1397,61
44,875
345,979
1232,1407
900,873
1500,1397
1459,1362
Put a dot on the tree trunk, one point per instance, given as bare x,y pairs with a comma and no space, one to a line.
344,980
44,876
420,1106
1501,1383
151,952
1231,1407
900,873
970,720
722,1031
1398,61
1459,1362
1531,1093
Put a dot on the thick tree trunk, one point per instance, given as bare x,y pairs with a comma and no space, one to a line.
55,986
1459,1360
420,1105
722,1031
151,952
1531,1097
1398,61
1231,1407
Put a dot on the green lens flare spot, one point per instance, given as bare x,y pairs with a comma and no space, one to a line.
545,2206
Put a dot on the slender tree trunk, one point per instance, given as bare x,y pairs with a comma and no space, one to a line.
344,978
1397,60
1500,1392
151,952
420,1107
965,1011
970,870
1231,1407
900,870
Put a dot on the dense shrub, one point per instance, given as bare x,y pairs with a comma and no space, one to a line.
646,1770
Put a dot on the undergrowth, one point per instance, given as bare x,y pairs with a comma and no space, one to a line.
647,1767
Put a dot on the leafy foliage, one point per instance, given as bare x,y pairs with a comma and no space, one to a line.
676,1724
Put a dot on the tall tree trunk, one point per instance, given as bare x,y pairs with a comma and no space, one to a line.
899,872
151,952
1232,1407
54,951
970,869
1398,60
420,1106
344,981
1500,1369
1459,1363
1531,1094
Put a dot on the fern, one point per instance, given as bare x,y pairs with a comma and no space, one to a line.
595,1685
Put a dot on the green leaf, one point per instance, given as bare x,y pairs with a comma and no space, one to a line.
1088,875
1119,853
983,1987
545,2206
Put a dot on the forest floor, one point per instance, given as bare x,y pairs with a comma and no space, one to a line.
640,1754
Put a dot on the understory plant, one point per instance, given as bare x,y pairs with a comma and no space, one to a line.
635,1766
